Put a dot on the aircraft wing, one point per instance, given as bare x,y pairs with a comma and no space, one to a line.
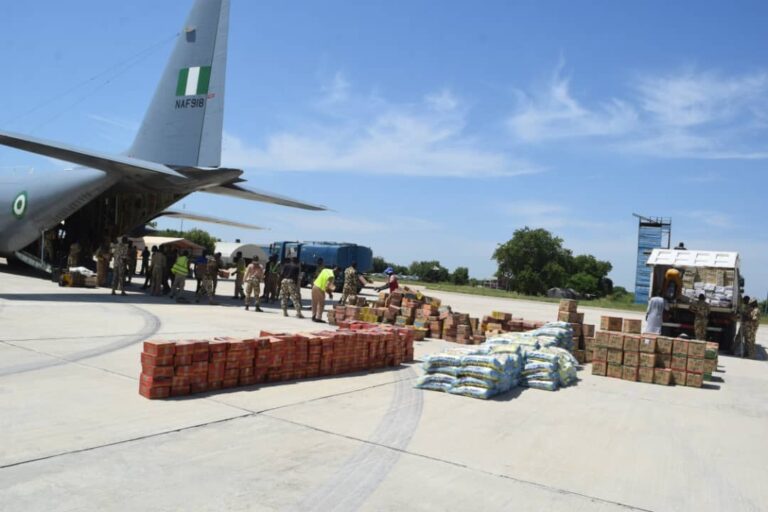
123,165
205,218
235,190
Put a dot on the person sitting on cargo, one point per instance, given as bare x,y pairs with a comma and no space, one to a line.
654,317
673,284
680,247
324,283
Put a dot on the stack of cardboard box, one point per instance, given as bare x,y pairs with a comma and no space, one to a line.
621,351
583,334
499,322
177,368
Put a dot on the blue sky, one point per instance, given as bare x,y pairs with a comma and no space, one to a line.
435,129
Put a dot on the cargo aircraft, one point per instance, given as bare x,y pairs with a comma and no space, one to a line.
177,151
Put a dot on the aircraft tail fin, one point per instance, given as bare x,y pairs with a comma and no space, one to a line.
183,125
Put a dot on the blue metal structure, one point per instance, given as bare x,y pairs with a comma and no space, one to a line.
652,233
333,254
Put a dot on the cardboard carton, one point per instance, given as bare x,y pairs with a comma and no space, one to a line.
629,373
694,380
679,363
697,349
600,354
599,368
680,347
664,345
615,356
611,323
710,366
647,344
662,376
647,360
602,339
664,361
568,305
631,343
695,365
616,341
631,358
631,326
614,370
645,374
678,377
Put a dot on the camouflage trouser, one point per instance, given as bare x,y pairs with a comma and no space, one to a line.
288,289
118,276
252,288
349,291
750,333
239,286
700,329
206,288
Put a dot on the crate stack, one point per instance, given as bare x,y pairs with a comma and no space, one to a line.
621,351
179,368
499,322
583,334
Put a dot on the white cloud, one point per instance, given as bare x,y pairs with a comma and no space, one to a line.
687,114
556,114
366,134
549,215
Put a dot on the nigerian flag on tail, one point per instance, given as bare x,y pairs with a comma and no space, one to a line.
193,81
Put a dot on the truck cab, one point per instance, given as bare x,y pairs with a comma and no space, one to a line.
712,273
339,254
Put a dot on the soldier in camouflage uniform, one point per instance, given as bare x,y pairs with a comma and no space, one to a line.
700,309
253,277
120,255
207,286
350,283
289,287
751,321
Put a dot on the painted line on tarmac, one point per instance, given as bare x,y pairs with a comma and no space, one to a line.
151,326
362,473
400,452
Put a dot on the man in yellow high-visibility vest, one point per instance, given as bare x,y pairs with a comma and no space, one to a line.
180,270
324,283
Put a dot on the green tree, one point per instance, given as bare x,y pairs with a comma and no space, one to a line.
583,283
379,264
430,271
460,276
532,261
197,236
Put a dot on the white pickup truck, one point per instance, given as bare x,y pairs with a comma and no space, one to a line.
712,273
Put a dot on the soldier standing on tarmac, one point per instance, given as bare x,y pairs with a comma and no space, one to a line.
157,270
700,309
120,255
239,262
350,283
289,287
271,279
751,322
207,284
253,276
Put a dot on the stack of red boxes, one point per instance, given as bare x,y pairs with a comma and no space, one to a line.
184,367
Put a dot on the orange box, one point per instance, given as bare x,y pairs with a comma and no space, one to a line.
182,359
154,391
152,360
160,348
157,371
184,348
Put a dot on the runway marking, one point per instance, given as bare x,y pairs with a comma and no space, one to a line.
151,326
363,472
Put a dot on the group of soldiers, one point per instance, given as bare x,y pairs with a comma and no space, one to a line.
166,271
748,317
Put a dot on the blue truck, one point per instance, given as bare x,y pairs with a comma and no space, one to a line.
339,254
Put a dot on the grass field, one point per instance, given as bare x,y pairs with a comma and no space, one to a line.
490,292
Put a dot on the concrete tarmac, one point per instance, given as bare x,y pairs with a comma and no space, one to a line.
76,435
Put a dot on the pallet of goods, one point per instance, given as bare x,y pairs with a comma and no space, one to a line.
179,368
621,351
